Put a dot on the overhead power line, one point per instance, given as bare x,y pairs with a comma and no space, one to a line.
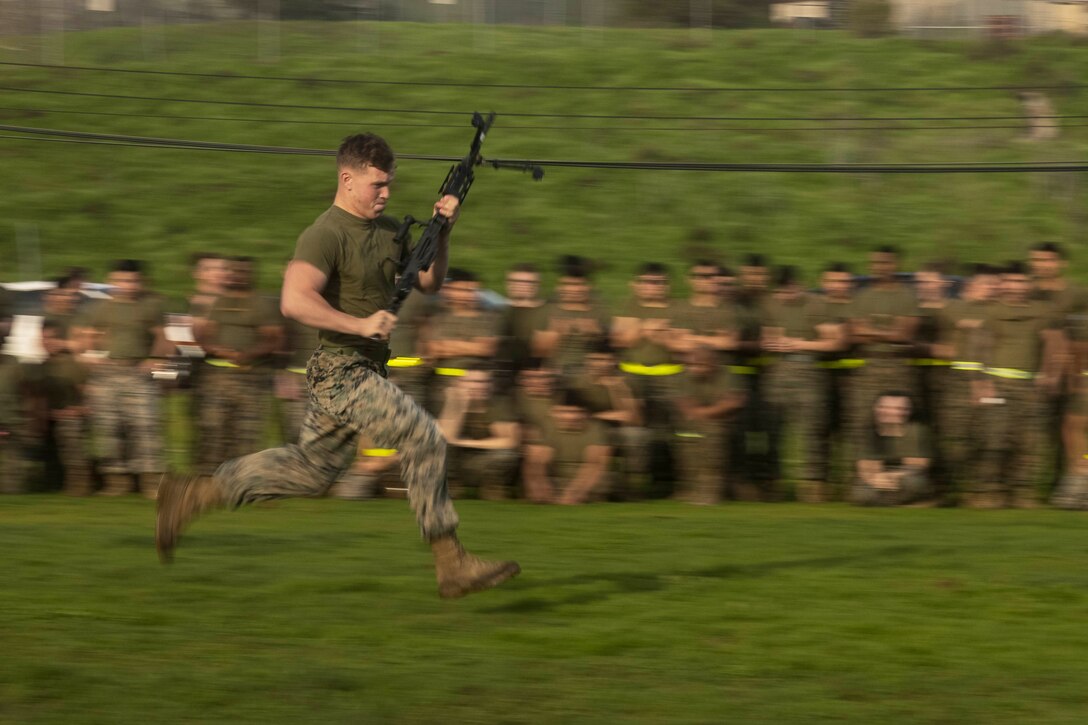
443,112
552,86
63,136
527,127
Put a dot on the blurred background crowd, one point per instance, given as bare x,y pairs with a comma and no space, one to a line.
877,386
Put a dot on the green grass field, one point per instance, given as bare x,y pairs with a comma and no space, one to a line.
86,204
325,611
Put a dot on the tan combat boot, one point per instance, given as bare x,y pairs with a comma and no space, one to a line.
460,573
181,499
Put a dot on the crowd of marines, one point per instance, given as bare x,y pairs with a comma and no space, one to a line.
938,387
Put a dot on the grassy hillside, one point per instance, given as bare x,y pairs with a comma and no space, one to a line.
87,204
325,611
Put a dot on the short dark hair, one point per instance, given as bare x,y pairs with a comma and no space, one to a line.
982,268
886,249
704,263
571,265
754,259
1050,247
840,267
786,275
128,265
365,149
652,268
459,274
244,258
724,271
1014,267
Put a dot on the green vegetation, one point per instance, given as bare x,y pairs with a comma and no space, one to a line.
325,611
87,203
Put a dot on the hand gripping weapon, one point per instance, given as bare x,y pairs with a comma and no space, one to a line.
458,182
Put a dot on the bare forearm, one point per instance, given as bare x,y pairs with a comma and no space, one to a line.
431,281
311,309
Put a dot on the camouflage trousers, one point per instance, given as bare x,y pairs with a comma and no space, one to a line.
126,410
235,408
1012,445
349,396
70,435
292,401
958,428
701,451
13,466
796,391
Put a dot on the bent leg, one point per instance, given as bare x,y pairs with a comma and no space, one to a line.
326,447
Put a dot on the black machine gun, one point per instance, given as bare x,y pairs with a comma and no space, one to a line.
458,182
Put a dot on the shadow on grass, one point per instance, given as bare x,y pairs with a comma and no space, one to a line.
625,583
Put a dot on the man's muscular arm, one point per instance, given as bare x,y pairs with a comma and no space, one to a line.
301,300
431,281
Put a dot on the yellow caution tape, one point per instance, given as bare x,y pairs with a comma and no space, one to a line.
929,362
379,452
843,364
221,363
966,365
405,362
689,435
1010,373
638,369
743,370
297,371
450,372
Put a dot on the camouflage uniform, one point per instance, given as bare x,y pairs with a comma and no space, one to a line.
753,441
237,403
448,325
125,401
291,385
349,394
958,412
890,453
701,444
408,368
886,363
14,435
1013,443
63,379
794,385
488,472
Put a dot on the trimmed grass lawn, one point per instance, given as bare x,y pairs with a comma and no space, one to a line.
325,611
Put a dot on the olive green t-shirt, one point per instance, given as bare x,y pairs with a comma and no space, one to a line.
891,450
62,379
960,325
238,320
645,352
573,346
569,449
359,258
799,318
128,327
517,328
533,413
1065,302
1015,334
448,326
404,342
879,307
477,423
700,320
